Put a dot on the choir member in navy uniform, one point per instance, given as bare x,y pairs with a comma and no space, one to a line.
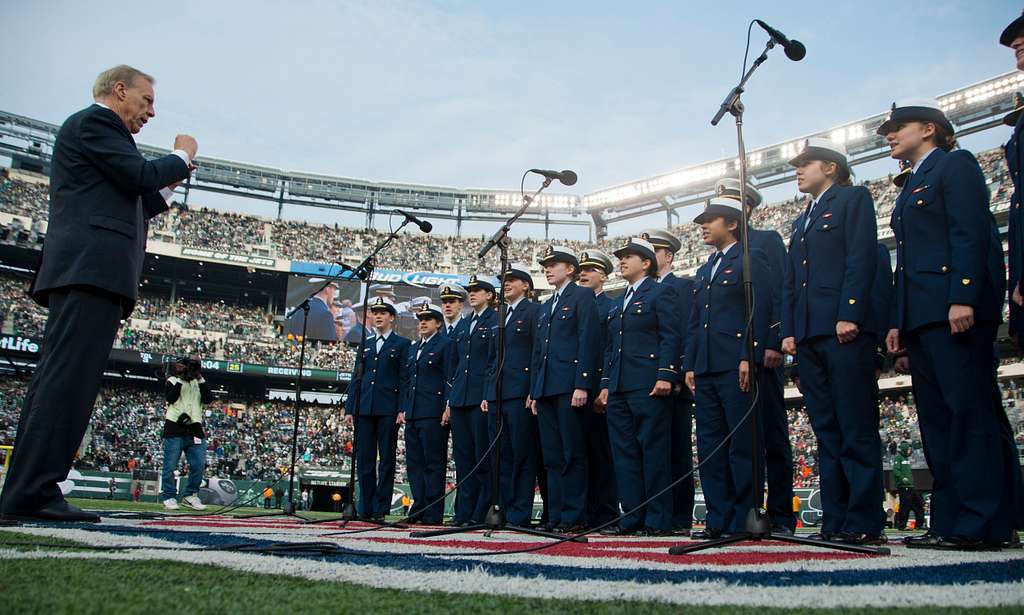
562,374
519,431
881,305
376,402
602,498
827,324
468,423
665,247
453,299
641,367
717,370
431,364
778,454
950,282
1013,37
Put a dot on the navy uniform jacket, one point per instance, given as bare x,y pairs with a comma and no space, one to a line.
643,339
429,382
831,265
378,391
604,306
459,326
1014,150
715,339
947,244
565,357
473,352
518,353
319,325
770,242
684,293
102,195
881,302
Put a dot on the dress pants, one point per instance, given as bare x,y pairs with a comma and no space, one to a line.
639,430
682,459
564,445
778,453
464,452
518,473
375,446
80,331
974,494
426,452
602,496
841,395
482,448
726,473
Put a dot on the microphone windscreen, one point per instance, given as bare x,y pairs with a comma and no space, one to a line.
796,51
568,177
426,227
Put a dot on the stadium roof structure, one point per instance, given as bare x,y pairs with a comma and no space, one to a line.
971,108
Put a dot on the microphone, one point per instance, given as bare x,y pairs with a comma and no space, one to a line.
795,50
425,226
567,177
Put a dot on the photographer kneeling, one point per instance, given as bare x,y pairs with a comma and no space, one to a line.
186,392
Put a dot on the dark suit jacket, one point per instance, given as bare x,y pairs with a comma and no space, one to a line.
1014,150
831,265
320,325
947,244
643,339
564,355
685,290
378,390
472,351
102,194
518,353
426,390
770,242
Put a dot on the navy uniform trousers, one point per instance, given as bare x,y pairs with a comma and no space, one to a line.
426,444
841,394
376,478
465,422
518,471
778,453
565,458
641,425
682,459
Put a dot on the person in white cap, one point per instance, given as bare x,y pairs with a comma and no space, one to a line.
717,368
829,324
375,402
950,284
562,372
641,362
430,363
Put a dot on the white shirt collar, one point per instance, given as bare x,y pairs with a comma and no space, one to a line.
384,336
454,322
917,164
564,284
636,285
726,249
428,339
102,105
512,306
483,309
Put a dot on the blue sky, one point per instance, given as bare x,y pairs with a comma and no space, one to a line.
469,94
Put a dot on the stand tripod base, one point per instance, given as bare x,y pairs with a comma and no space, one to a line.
495,522
758,529
288,510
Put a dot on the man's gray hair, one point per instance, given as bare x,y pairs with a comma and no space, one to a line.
126,74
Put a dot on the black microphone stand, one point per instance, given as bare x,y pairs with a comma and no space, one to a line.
758,527
288,509
495,519
363,271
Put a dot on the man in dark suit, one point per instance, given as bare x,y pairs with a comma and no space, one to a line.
375,402
431,364
665,247
102,193
563,370
320,322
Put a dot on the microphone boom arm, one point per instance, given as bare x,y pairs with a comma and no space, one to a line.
502,232
732,103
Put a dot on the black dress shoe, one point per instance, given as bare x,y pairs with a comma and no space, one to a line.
1012,543
546,527
924,541
961,543
782,530
58,511
851,538
826,536
571,529
680,530
617,531
709,533
654,532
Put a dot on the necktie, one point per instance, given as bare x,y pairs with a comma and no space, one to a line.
715,260
472,323
554,301
629,295
450,327
380,343
419,349
508,316
807,216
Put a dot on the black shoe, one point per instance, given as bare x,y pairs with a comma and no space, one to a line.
961,543
826,536
615,530
654,532
545,527
709,533
571,529
782,530
58,511
452,523
1012,543
924,541
851,538
680,530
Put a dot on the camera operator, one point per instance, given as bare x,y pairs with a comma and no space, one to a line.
186,392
